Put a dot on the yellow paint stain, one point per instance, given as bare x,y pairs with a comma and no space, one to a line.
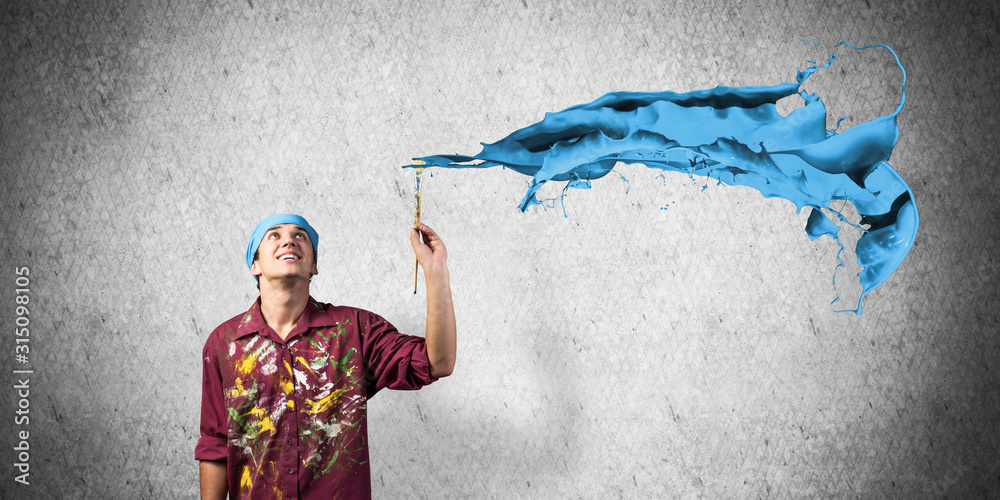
291,404
277,494
265,425
257,412
245,482
324,404
304,363
286,382
247,364
239,388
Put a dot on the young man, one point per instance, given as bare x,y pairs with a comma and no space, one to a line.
285,384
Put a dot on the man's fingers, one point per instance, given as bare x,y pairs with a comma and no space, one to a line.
414,238
431,248
428,232
431,240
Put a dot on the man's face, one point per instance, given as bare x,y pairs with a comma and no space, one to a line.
285,252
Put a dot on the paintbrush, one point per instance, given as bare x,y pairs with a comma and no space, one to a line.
416,218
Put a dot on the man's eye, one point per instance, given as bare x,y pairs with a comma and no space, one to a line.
272,235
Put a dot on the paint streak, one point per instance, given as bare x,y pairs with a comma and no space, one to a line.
265,425
736,136
246,484
238,390
324,405
260,423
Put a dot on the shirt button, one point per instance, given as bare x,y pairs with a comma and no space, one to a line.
290,471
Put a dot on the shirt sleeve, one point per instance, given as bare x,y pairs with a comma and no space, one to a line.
392,360
214,424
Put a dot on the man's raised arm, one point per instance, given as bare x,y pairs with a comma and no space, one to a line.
440,334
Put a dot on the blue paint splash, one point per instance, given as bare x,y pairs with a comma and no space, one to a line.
736,136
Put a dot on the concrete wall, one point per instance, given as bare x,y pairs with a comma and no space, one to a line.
623,350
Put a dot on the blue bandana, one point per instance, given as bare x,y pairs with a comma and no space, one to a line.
274,220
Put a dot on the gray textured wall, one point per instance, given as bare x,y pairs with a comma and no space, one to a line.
622,351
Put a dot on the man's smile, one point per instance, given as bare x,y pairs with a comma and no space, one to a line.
289,256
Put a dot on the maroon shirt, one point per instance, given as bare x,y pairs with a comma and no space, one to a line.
289,417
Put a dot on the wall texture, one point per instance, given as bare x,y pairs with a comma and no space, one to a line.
657,342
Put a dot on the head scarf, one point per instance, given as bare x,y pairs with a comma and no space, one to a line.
274,220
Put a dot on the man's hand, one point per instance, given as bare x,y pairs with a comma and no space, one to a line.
430,252
440,335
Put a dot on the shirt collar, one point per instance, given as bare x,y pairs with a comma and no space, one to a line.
313,316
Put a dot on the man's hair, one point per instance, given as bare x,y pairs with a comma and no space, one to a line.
256,255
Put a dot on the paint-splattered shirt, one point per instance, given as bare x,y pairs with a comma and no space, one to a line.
289,416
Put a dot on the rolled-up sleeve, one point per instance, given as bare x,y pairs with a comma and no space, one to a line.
214,424
394,360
